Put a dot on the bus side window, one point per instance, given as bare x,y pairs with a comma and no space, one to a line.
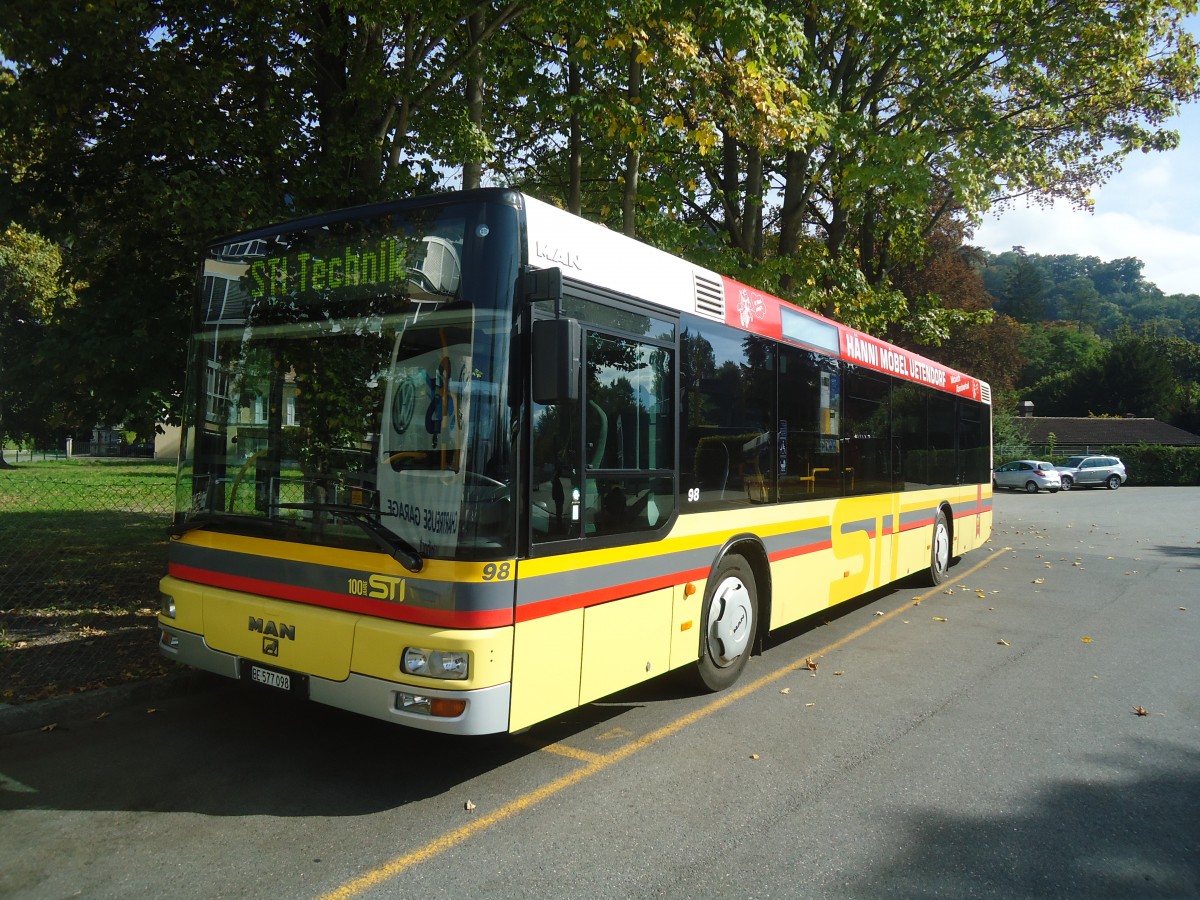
730,451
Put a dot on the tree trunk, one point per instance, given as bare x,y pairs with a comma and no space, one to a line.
797,191
575,137
731,176
752,217
473,168
633,158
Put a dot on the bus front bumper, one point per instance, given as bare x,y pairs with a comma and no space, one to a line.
486,710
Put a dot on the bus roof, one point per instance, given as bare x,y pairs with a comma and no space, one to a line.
596,255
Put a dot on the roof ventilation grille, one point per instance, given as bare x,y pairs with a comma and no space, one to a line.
985,392
710,297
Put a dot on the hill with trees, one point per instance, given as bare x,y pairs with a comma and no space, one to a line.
1098,338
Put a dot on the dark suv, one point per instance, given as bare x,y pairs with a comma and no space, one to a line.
1091,471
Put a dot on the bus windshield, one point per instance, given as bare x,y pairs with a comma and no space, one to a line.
348,380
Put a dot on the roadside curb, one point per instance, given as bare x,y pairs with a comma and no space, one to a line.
18,718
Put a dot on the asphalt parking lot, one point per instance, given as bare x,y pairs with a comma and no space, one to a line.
1031,728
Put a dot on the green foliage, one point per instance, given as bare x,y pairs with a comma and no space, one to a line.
1155,465
33,300
1054,350
1133,376
1089,293
1010,435
811,150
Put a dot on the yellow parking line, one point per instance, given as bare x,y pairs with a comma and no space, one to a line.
596,763
570,752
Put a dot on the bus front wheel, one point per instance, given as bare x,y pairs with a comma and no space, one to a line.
730,617
939,552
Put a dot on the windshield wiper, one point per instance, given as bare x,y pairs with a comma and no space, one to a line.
394,545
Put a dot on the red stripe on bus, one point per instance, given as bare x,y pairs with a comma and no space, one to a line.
440,618
793,552
584,599
542,608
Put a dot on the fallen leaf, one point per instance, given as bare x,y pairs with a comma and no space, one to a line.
877,613
1003,643
785,691
754,756
1039,581
102,715
839,673
151,711
469,806
1086,640
811,665
807,705
948,591
50,727
916,601
940,619
1141,711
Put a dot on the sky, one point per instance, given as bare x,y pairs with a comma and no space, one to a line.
1150,209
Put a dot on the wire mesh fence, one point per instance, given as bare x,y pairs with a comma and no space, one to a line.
81,553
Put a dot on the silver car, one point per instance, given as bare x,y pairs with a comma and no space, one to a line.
1031,475
1092,471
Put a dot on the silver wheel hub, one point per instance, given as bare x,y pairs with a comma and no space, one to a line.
730,621
941,547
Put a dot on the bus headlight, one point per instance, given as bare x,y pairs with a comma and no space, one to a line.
435,663
167,605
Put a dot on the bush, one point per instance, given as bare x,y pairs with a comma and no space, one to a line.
1158,465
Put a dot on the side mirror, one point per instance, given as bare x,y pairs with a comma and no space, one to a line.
557,345
543,284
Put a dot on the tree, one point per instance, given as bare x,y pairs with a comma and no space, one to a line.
167,125
811,149
32,298
1056,350
1023,292
1132,377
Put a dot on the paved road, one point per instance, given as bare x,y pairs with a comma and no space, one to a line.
982,743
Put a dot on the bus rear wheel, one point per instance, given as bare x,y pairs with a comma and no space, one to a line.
730,618
939,551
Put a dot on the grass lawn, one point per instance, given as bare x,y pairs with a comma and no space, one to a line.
83,544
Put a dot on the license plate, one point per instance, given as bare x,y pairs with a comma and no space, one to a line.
271,678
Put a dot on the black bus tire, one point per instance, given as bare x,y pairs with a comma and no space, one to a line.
939,549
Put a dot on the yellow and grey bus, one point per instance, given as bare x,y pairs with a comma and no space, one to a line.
466,462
